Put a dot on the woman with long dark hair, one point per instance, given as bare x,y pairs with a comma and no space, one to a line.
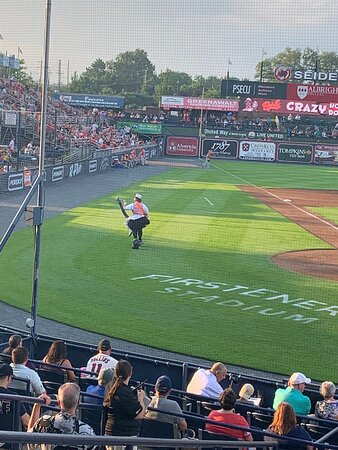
125,407
285,424
57,355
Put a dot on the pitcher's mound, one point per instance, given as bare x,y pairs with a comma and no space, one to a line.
317,263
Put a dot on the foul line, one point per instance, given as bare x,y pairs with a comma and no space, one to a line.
276,196
208,201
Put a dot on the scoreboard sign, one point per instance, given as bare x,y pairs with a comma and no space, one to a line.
221,149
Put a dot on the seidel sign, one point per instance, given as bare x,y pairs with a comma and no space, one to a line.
284,73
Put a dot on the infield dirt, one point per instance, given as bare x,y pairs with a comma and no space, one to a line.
317,263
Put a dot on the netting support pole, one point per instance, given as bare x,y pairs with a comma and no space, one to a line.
40,194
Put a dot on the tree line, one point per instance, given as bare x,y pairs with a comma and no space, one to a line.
132,75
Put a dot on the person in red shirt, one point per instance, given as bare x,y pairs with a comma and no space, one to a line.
227,415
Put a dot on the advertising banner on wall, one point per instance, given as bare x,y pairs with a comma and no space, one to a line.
208,104
141,127
300,153
182,146
290,106
326,154
310,92
15,181
92,101
221,149
257,150
243,134
244,89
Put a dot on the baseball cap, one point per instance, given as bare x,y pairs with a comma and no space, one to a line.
246,391
298,377
105,376
163,384
104,345
5,370
139,196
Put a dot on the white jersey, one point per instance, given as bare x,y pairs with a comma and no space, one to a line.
139,210
98,362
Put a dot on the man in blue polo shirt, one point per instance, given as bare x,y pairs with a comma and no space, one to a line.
293,394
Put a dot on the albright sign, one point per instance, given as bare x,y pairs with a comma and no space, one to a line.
317,93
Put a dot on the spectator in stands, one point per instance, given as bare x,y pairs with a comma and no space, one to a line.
227,415
327,408
206,382
102,360
65,421
6,406
285,424
161,401
105,378
20,370
246,393
13,342
125,408
57,355
293,394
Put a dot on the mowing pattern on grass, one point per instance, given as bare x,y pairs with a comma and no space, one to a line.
217,294
293,203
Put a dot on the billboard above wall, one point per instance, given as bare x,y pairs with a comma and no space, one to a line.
209,104
91,101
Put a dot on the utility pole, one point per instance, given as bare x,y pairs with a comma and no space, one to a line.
68,72
40,77
59,76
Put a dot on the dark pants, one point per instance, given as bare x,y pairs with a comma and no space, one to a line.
137,226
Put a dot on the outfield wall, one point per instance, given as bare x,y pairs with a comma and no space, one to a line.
247,145
61,173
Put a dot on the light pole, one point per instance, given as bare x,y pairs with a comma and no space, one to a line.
262,65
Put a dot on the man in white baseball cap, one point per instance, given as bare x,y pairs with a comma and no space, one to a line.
293,394
138,220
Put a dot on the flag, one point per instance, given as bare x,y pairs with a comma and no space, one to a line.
277,122
229,62
1,37
19,51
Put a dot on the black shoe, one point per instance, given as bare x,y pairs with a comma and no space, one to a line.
136,244
140,242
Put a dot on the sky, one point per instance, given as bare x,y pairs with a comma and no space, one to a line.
194,36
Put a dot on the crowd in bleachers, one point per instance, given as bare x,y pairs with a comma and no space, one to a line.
66,126
128,409
293,125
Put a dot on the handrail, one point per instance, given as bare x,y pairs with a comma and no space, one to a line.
26,399
77,440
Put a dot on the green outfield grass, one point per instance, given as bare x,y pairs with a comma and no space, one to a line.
238,307
327,213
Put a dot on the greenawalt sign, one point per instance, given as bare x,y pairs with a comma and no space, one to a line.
141,127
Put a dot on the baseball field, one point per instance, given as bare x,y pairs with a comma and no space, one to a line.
240,264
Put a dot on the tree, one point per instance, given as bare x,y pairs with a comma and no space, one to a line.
298,59
98,78
173,83
20,74
134,72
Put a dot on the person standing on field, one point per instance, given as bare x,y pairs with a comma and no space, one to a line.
138,220
207,159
